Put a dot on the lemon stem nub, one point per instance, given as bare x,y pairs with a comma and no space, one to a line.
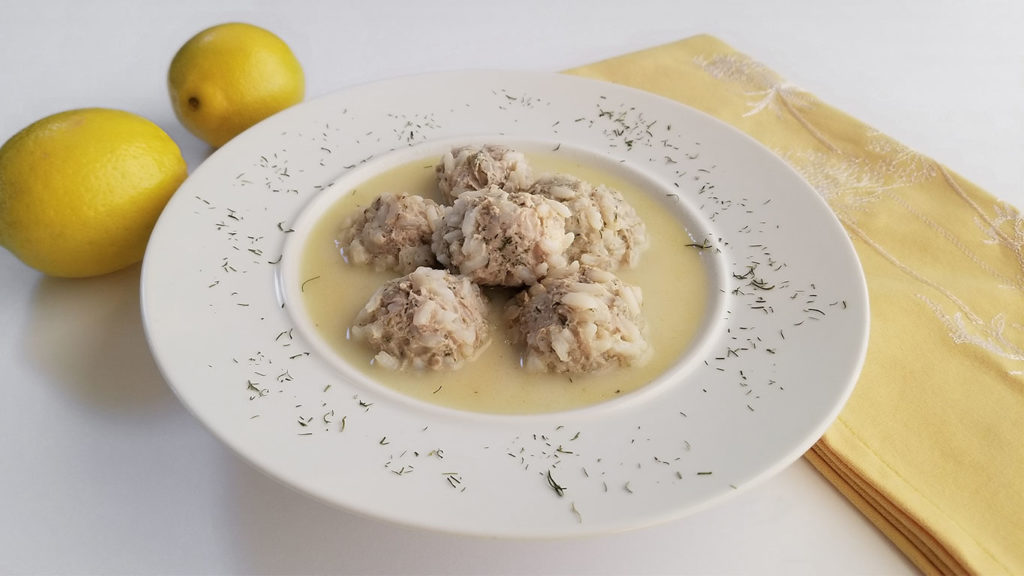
193,103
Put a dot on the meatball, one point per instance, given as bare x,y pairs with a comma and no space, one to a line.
499,238
581,319
393,233
428,319
474,168
608,232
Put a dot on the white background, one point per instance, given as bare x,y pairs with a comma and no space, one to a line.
103,470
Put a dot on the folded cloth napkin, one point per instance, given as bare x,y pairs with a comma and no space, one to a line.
930,447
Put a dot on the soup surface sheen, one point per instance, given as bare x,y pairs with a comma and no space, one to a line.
672,276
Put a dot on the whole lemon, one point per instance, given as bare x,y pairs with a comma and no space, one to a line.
80,191
231,76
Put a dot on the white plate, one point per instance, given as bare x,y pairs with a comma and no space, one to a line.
778,358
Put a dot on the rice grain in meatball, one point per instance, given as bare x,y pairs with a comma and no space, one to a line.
608,232
428,319
499,238
475,168
581,319
393,233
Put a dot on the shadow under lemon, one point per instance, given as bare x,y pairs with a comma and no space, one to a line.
87,334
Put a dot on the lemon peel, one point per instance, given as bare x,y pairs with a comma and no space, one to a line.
230,76
81,190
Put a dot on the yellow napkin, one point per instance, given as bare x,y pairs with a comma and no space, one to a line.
931,444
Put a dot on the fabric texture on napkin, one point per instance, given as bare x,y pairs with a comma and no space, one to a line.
930,447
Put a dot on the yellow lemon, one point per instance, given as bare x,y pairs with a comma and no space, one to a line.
231,76
80,191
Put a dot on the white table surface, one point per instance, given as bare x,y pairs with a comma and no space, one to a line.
105,472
